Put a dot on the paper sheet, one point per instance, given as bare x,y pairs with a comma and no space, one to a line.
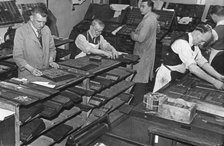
202,2
165,9
120,53
116,30
185,20
77,2
5,113
46,84
118,8
117,14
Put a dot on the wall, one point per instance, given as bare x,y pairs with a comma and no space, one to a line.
63,11
3,29
29,1
181,1
213,2
206,2
66,17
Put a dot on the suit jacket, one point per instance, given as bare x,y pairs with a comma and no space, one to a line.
28,50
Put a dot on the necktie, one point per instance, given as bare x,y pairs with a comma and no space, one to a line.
94,40
39,36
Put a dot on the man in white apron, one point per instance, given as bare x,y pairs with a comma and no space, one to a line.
92,42
186,55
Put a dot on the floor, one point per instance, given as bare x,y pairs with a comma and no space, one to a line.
138,90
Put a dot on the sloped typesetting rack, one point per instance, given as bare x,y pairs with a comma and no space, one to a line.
9,13
64,108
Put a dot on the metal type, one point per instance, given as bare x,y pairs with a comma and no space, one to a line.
116,89
58,75
24,89
18,97
9,13
31,129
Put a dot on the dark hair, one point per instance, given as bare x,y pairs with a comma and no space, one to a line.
218,10
150,3
41,9
203,28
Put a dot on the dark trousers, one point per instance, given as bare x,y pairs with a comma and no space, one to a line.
218,63
139,90
176,75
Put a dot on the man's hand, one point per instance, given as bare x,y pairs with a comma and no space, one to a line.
115,54
54,65
219,85
222,88
221,78
36,72
33,70
108,54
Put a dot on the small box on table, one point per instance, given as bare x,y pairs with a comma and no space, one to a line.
178,110
152,101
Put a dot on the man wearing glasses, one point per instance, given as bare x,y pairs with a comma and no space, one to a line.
186,55
92,42
34,47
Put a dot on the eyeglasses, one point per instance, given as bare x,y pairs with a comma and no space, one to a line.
97,30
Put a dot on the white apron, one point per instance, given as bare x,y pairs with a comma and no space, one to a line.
163,77
82,54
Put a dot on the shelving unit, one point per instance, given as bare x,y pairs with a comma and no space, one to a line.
83,113
14,107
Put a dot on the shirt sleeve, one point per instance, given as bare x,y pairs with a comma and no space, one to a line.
215,35
183,49
104,45
83,44
147,25
200,59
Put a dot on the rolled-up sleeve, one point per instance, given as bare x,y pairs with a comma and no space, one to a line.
83,44
104,45
183,49
200,59
18,49
215,35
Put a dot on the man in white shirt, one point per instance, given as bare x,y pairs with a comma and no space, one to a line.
92,42
186,55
